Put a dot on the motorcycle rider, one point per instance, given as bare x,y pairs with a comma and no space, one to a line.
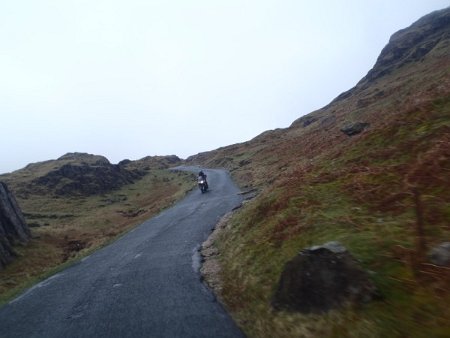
202,175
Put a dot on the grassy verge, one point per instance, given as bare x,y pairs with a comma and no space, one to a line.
66,229
366,197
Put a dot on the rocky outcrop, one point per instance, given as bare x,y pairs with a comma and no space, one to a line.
13,228
86,179
440,254
322,278
82,174
428,35
411,44
354,128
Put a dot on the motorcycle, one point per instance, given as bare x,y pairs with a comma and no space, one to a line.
202,184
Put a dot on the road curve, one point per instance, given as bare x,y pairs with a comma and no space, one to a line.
146,284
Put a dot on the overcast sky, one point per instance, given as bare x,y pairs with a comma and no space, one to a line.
130,78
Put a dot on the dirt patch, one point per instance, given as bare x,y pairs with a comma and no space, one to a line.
71,247
211,268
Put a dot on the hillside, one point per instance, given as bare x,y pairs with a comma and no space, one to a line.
82,174
410,74
370,170
80,202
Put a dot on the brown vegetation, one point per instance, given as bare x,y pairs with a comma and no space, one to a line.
383,192
67,227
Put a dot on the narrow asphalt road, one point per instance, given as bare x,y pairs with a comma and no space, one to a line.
146,284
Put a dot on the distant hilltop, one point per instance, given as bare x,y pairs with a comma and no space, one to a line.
85,157
82,174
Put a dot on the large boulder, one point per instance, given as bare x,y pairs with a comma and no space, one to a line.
440,255
321,278
13,228
354,128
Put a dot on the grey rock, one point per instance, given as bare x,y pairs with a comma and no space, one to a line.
124,162
407,46
305,121
333,246
440,255
354,128
7,253
85,179
322,278
411,44
13,228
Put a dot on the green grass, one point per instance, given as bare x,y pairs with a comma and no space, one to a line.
94,221
363,199
252,263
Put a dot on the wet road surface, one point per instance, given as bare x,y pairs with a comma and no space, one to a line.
146,284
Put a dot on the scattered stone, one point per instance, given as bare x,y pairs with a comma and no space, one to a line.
440,255
309,120
322,278
237,207
354,128
305,121
248,194
244,163
210,269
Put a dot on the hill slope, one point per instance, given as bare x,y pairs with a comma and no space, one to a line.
81,174
371,170
399,83
79,202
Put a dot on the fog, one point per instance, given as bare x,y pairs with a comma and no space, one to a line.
127,79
